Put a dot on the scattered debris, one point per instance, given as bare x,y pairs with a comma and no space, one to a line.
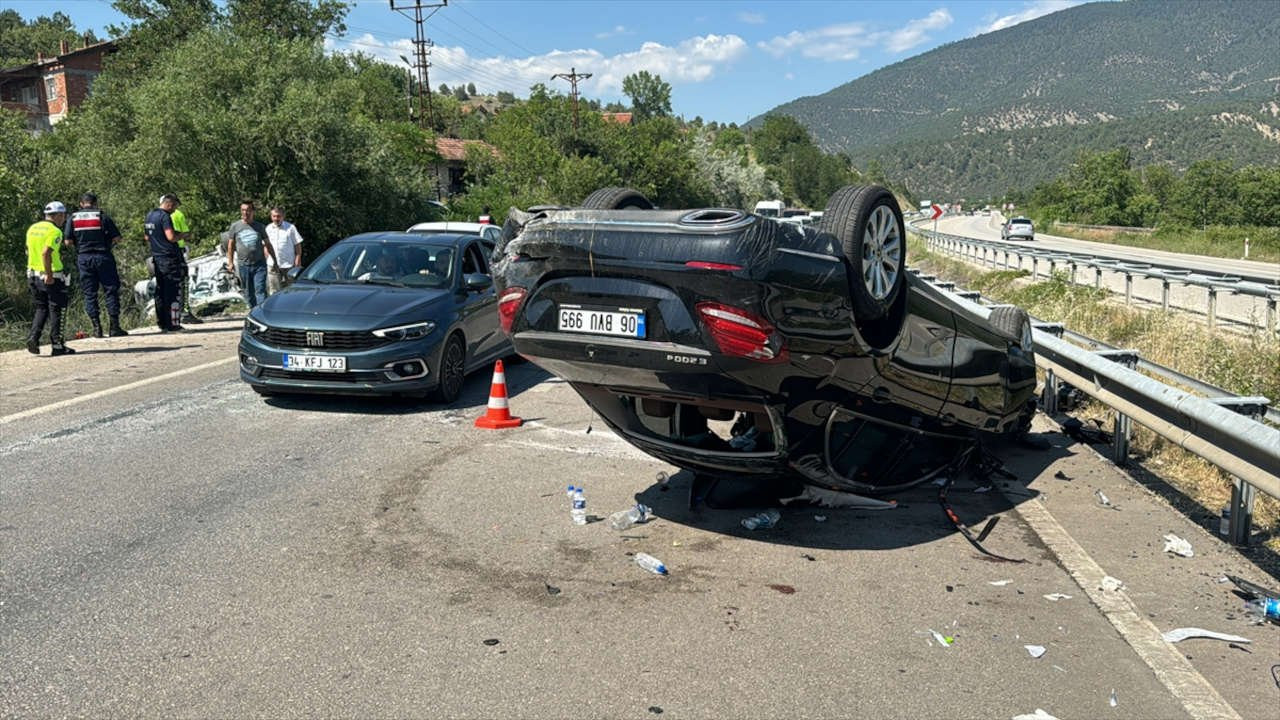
1055,597
1037,715
655,709
1253,589
1239,647
819,518
808,557
1180,634
651,563
784,589
942,640
762,520
1112,700
950,588
662,478
552,589
1062,476
1177,546
1110,583
823,497
491,642
1104,500
999,583
1037,651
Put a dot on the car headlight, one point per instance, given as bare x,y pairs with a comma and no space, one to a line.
253,326
406,332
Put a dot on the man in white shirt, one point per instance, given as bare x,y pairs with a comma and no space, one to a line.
286,240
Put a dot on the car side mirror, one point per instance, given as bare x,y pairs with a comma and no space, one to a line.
293,273
477,282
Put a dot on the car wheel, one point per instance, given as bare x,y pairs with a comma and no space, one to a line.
867,222
452,371
616,198
1013,323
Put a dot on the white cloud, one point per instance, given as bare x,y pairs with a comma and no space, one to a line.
617,30
845,41
694,60
751,18
1030,11
789,76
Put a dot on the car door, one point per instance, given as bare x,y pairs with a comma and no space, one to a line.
480,307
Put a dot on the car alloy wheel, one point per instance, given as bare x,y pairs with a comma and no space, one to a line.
453,363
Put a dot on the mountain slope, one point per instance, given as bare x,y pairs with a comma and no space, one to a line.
1171,80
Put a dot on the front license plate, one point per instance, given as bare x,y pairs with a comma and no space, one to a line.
316,363
602,322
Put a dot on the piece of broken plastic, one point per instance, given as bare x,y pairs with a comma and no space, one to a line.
1036,651
836,499
1180,634
1177,546
1110,583
1113,701
942,640
1037,715
1055,597
1102,498
999,583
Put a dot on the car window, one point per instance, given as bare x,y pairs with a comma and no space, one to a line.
473,261
1020,222
421,265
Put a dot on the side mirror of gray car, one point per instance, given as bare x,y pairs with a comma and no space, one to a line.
293,273
478,282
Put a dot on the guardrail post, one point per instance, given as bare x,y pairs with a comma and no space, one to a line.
1035,262
1239,528
1073,272
1053,267
1097,278
1271,315
1213,307
1049,396
1128,288
1164,295
1122,428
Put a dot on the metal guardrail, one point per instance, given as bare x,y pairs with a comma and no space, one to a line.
986,252
1219,428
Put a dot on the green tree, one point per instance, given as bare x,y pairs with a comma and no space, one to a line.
471,89
21,40
154,27
288,19
1206,195
650,95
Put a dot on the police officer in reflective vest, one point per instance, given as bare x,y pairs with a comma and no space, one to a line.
94,234
47,278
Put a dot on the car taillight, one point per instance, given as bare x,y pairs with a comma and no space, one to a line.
741,333
700,265
508,304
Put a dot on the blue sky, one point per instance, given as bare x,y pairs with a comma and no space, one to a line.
725,60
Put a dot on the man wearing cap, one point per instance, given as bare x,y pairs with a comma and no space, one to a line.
93,234
170,267
47,279
182,229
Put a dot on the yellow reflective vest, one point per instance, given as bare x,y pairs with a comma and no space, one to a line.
41,235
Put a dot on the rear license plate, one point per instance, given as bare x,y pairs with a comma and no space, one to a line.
602,322
315,363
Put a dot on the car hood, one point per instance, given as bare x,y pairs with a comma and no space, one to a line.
348,307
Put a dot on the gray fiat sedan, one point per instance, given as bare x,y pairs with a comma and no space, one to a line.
385,313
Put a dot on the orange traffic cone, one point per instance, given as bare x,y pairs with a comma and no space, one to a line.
498,416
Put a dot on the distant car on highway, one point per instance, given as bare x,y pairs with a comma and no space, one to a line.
384,313
1018,228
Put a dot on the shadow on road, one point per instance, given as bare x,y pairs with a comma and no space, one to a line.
917,520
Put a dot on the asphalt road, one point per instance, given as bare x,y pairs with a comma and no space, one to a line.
173,546
1238,309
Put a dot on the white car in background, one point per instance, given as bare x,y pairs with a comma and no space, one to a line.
1018,228
488,232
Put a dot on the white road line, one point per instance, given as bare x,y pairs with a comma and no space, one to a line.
111,391
1175,672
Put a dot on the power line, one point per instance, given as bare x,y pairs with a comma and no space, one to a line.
573,76
495,31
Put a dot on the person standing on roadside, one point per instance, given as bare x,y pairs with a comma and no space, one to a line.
182,229
167,258
287,243
248,248
93,234
47,279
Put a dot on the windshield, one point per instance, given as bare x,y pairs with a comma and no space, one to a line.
406,264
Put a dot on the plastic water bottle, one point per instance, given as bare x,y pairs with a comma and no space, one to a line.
1263,609
763,520
624,519
579,509
651,563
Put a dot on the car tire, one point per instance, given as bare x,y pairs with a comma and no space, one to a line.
452,370
1013,323
616,198
867,222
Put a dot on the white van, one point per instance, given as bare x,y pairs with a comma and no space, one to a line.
770,208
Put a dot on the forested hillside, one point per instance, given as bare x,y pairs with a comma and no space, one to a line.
1171,81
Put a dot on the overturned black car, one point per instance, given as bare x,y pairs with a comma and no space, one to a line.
734,345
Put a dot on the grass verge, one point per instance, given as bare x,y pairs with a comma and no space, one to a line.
1245,365
1219,241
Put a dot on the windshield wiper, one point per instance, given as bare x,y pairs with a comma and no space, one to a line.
382,281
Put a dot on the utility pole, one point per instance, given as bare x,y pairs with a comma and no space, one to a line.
573,76
422,49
